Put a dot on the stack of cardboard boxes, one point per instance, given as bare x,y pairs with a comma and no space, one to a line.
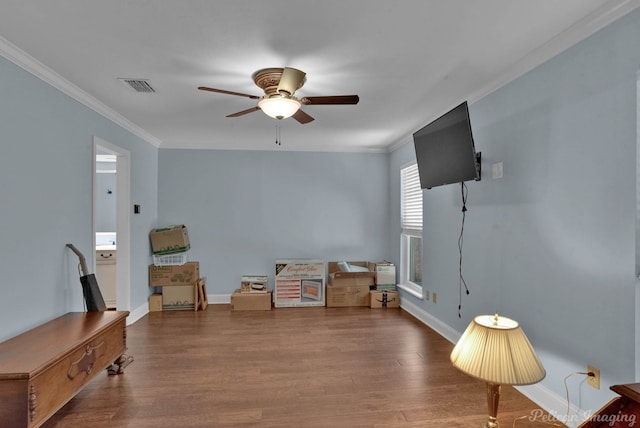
298,282
253,294
371,284
182,286
385,294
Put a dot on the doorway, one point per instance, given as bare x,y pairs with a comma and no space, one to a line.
111,222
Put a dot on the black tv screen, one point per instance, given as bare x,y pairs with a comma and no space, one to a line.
445,152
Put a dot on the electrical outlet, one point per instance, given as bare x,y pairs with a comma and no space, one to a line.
426,295
594,380
434,297
496,170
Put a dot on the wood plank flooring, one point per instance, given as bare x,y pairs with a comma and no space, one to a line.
293,367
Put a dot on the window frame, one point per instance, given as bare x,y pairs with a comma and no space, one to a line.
411,226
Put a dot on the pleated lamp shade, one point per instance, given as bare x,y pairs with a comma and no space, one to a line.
496,350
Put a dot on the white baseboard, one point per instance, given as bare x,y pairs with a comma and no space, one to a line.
137,313
142,310
219,299
430,321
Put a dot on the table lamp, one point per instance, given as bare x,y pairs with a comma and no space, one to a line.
496,350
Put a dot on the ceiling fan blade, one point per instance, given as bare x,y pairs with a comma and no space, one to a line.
243,112
290,80
302,117
327,100
222,91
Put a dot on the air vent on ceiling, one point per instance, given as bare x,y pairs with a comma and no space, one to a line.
138,85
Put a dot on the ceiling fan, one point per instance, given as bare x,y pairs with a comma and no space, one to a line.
278,101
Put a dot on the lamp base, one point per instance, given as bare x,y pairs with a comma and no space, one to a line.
493,397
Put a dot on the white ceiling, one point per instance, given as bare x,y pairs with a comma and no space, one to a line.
408,60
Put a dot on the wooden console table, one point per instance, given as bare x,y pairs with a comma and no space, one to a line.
43,368
620,412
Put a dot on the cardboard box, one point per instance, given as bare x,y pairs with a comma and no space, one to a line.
169,240
340,278
186,274
347,295
250,301
254,284
299,282
155,302
178,297
385,273
384,299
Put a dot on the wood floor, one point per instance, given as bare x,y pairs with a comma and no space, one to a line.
294,367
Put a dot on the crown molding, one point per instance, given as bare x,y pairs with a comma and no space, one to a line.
400,143
571,36
44,73
261,147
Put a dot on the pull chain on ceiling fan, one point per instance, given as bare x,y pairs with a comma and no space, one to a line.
279,86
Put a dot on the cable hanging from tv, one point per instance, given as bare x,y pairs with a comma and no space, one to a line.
464,191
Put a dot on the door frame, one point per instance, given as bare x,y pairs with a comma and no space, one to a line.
123,220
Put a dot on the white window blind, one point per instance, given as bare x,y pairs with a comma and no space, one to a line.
411,199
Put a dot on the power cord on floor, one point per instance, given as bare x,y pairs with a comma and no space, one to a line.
566,390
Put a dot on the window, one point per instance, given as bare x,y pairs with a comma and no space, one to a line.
411,218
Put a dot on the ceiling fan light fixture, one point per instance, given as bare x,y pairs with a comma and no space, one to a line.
278,107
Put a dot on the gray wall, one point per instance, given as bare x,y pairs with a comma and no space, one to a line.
245,209
46,171
552,244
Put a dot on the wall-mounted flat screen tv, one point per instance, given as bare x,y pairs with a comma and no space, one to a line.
445,152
